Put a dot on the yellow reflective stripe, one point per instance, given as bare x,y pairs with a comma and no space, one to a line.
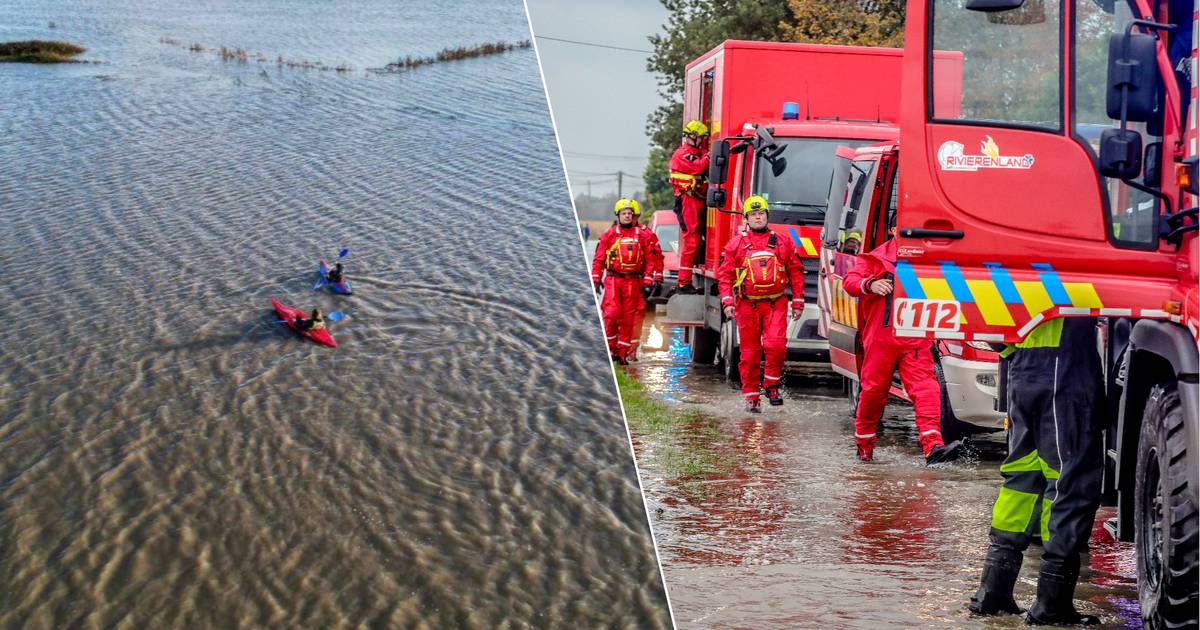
1028,463
765,297
1034,295
683,176
939,289
1032,462
1013,510
1045,520
807,244
936,289
991,305
1083,294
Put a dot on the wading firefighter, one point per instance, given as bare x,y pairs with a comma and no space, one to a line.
871,281
689,168
631,261
1052,474
757,268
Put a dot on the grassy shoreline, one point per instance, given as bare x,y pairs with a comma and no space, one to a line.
645,412
38,51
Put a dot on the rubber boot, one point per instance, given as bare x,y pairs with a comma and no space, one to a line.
773,395
995,594
945,452
1055,605
866,452
752,405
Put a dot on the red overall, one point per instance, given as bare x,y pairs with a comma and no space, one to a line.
756,269
630,258
689,167
883,352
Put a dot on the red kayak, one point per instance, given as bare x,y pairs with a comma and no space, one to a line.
289,314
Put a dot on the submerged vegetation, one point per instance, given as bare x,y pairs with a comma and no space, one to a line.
453,54
244,56
37,51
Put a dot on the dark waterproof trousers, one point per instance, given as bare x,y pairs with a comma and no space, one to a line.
1053,471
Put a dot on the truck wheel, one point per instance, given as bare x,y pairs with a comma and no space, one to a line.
703,344
731,351
952,427
1165,521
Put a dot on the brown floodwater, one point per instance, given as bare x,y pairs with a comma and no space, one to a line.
769,521
171,456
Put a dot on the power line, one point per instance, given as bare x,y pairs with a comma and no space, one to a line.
579,43
599,156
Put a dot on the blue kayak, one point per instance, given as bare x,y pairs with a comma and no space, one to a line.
342,287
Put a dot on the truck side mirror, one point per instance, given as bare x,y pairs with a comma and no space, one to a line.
1120,153
718,163
716,197
1014,12
1132,76
992,6
830,232
778,166
1152,164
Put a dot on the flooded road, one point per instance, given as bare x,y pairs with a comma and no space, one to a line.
170,456
767,520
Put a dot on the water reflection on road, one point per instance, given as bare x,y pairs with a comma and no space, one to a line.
768,521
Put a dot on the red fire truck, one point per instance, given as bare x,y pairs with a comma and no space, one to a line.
776,114
1065,185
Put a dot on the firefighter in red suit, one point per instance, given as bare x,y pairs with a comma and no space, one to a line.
757,268
871,281
631,261
689,168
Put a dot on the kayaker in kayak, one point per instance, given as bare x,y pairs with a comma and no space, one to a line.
335,274
315,322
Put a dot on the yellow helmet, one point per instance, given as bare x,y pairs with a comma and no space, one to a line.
755,203
632,204
696,128
854,234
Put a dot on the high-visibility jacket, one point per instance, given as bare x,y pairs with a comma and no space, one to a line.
760,265
628,251
689,168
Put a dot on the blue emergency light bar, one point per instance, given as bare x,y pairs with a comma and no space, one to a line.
791,111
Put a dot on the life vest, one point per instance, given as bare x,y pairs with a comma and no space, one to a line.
625,255
685,183
762,275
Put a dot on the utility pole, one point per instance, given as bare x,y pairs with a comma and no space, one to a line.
620,175
589,187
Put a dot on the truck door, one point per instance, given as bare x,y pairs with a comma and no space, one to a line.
849,215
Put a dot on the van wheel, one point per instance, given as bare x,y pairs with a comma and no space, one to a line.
1165,521
952,428
853,390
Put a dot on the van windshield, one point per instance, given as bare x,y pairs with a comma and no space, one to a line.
800,191
668,236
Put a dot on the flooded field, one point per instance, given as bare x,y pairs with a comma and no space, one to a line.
172,456
767,520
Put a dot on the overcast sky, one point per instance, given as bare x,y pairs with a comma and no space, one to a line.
600,97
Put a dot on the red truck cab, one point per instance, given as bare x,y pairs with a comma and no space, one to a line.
1064,185
777,113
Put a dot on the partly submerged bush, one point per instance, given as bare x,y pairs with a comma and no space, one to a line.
36,51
